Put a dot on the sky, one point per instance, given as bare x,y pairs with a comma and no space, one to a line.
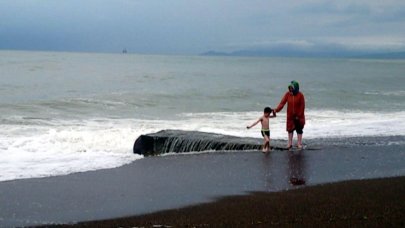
197,26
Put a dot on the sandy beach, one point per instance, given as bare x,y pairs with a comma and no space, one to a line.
366,203
168,182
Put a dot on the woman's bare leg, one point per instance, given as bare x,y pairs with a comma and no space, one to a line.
299,143
290,139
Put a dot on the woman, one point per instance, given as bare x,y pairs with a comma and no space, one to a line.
295,112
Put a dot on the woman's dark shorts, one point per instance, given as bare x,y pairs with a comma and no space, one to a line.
297,127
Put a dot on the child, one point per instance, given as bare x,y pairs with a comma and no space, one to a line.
265,127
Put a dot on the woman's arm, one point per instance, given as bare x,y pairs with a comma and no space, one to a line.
301,105
282,102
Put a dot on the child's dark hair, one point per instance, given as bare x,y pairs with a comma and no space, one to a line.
268,110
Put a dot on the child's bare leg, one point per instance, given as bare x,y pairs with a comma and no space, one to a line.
266,145
269,145
268,142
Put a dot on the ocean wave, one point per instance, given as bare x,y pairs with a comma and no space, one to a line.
390,93
52,146
59,147
319,123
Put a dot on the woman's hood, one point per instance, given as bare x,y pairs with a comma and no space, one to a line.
296,87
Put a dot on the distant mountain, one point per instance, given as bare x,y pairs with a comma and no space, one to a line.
391,55
214,53
286,52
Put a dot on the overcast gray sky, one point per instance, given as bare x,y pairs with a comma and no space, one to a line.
195,26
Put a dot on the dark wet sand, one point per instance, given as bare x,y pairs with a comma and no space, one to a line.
367,203
160,183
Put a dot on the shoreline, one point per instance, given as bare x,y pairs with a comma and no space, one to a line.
161,183
374,202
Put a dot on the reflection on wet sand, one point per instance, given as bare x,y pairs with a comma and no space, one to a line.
284,170
296,167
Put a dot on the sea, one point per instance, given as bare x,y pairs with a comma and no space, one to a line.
63,113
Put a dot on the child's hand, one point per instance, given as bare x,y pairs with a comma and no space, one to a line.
248,127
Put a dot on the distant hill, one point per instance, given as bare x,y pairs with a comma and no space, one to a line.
300,53
214,53
392,55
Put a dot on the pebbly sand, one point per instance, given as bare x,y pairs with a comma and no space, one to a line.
365,203
161,183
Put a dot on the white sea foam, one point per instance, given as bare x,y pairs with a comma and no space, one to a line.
354,123
394,93
62,147
319,124
54,147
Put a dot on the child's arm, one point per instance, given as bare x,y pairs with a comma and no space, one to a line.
254,124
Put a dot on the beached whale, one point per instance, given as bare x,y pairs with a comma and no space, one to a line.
178,141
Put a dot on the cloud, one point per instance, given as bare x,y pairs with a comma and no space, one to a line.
356,11
324,45
333,8
191,26
370,43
